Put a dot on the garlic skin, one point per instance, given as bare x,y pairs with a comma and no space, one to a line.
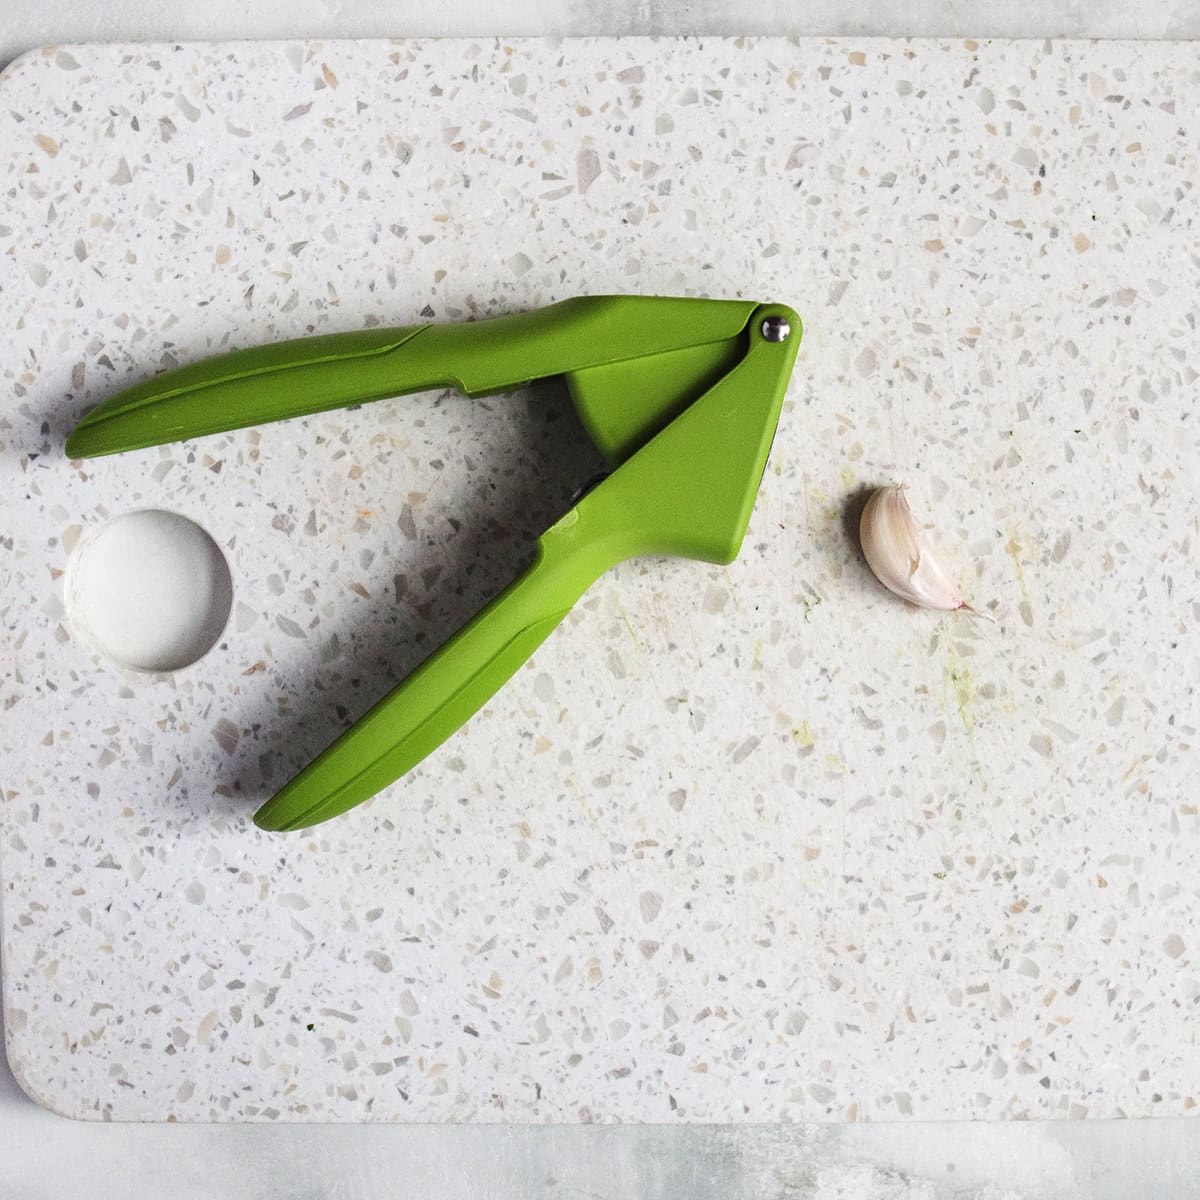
897,552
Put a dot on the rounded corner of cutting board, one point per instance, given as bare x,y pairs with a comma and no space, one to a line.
25,62
39,1091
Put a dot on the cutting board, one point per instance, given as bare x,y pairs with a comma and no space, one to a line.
750,844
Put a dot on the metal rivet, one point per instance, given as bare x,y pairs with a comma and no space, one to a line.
776,329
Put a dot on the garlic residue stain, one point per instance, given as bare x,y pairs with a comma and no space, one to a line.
637,641
1013,548
958,676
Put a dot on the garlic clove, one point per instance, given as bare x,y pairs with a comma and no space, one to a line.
897,552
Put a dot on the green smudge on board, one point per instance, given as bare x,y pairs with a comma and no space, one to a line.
1013,550
957,678
964,693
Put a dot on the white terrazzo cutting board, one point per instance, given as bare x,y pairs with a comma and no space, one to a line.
751,844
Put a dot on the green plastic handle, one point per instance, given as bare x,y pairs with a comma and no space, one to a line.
314,374
688,491
446,690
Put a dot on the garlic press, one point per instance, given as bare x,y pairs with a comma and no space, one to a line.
681,396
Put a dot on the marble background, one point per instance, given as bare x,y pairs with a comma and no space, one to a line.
755,843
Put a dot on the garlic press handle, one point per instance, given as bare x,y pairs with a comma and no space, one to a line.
313,374
446,690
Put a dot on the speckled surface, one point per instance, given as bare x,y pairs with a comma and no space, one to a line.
746,844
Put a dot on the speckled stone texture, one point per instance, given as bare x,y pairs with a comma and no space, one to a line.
747,844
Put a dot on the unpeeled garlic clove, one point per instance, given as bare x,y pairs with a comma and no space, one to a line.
897,551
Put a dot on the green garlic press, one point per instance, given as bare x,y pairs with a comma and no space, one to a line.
681,396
